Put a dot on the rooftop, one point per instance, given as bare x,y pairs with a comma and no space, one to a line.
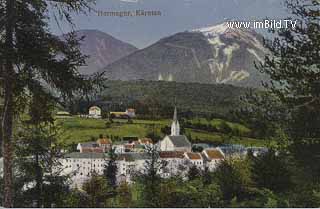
89,144
91,155
133,156
171,154
194,156
92,150
104,141
214,154
145,141
180,141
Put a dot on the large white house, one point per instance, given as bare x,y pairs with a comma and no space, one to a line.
81,166
94,112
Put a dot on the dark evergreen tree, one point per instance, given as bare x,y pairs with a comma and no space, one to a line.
111,168
150,178
293,68
271,171
98,190
30,54
193,173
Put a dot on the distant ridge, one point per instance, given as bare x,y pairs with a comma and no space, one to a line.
102,48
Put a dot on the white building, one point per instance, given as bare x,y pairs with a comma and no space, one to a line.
176,163
131,112
82,165
194,159
130,164
175,142
94,112
89,147
212,158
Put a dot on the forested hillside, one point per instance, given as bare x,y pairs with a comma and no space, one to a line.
159,97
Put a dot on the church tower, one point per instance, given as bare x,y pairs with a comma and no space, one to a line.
175,126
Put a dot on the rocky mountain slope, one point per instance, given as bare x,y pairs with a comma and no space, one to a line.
102,49
215,54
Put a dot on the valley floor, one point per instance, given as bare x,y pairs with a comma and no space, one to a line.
75,130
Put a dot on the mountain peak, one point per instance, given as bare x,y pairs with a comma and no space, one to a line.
102,49
213,30
215,54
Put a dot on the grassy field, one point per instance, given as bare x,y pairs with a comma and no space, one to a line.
80,130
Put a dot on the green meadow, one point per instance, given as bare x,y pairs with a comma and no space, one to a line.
76,130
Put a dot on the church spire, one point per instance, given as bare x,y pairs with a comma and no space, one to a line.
175,118
175,126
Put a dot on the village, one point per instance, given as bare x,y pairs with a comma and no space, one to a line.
175,151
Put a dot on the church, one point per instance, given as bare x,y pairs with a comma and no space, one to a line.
175,141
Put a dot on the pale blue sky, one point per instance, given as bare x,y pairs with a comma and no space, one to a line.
177,16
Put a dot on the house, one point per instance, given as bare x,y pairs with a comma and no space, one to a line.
194,159
94,112
87,147
212,158
105,143
80,166
175,143
130,164
131,112
118,147
175,163
145,141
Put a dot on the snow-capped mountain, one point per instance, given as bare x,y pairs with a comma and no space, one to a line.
217,54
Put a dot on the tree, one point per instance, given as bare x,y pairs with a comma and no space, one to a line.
178,193
30,55
263,113
98,190
224,127
293,67
76,199
111,168
234,178
193,173
124,197
271,171
37,164
150,178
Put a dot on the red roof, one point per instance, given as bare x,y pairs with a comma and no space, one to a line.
194,156
171,154
214,154
146,141
104,141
